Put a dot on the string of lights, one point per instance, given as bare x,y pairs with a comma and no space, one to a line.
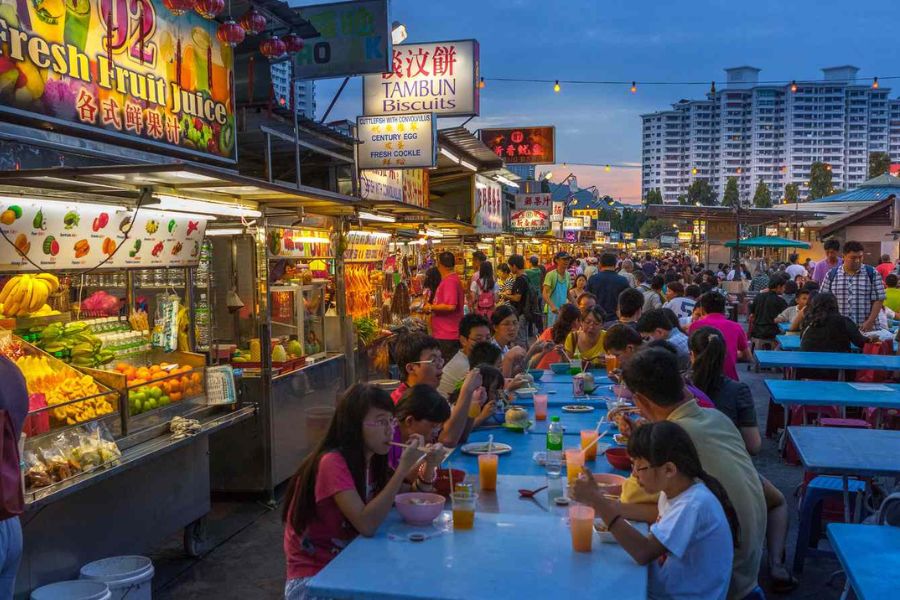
633,85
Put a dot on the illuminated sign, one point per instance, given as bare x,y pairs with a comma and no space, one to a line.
530,221
557,212
439,77
604,226
533,202
401,141
523,145
586,212
487,212
573,223
401,185
129,69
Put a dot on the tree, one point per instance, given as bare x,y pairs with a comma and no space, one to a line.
682,199
792,193
628,221
700,191
879,164
819,181
653,228
732,196
762,198
654,196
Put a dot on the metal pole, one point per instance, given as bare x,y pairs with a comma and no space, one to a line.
294,83
265,351
341,226
333,100
269,159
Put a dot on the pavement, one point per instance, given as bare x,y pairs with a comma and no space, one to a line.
244,558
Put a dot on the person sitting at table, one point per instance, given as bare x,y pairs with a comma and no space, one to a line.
892,292
504,325
489,402
656,324
765,308
546,350
711,307
825,329
344,487
421,411
588,341
690,547
652,376
585,303
473,328
631,301
791,313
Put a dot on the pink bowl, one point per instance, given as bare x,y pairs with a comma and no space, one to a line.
618,459
612,482
419,514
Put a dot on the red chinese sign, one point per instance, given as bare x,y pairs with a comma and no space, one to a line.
534,201
530,221
522,146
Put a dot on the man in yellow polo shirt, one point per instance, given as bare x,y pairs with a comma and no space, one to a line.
652,376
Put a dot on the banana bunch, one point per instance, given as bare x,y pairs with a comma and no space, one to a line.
27,294
85,349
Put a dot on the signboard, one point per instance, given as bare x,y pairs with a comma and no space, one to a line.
487,211
354,38
415,187
166,82
588,236
439,77
668,240
573,223
523,145
587,222
530,221
570,236
615,236
297,243
400,142
400,185
534,201
586,212
62,235
627,236
684,236
604,226
557,212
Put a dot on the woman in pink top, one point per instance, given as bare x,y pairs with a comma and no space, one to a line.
345,487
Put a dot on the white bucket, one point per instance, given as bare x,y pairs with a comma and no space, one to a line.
73,590
128,577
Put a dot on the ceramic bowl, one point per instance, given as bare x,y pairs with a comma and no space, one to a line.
536,374
618,459
419,508
560,368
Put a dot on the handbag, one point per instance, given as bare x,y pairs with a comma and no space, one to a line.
870,375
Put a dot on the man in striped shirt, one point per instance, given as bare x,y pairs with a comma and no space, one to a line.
857,287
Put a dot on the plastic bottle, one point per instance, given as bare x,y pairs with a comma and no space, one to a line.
554,446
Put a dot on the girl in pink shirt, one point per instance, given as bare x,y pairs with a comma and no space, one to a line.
345,487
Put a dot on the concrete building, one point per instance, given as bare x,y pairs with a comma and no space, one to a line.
770,133
305,92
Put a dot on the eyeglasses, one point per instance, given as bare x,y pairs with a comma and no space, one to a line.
437,361
479,339
383,423
637,470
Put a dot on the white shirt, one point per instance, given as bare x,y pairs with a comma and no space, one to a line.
453,373
682,306
693,528
795,269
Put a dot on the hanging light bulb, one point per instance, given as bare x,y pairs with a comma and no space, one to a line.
633,87
875,84
556,87
481,83
794,87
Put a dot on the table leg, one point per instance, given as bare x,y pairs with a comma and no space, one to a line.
842,375
846,493
782,441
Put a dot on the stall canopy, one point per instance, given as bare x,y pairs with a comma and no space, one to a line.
768,241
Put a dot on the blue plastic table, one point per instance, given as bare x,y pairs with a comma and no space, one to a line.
845,452
792,342
837,393
827,360
517,550
870,554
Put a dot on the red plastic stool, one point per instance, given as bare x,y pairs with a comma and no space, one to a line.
851,423
889,418
806,415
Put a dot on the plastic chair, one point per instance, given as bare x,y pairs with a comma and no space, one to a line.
820,489
889,418
851,423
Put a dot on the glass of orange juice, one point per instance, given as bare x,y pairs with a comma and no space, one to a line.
540,407
612,363
487,471
587,437
463,509
581,524
574,463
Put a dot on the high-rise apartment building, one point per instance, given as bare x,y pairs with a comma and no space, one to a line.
305,90
770,133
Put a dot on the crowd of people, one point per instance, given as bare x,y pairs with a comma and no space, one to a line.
664,320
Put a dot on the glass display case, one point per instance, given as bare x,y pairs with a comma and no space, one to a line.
298,314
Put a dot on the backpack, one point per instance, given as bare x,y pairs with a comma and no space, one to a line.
869,269
531,310
12,501
485,301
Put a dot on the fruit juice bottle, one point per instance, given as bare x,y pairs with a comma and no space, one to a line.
201,40
77,23
219,89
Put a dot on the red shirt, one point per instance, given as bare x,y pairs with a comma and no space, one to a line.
885,269
734,336
398,392
445,325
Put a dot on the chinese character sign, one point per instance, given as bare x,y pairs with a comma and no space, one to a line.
128,69
586,212
573,223
354,38
533,202
438,77
604,226
530,221
402,141
409,186
557,212
522,146
415,187
487,213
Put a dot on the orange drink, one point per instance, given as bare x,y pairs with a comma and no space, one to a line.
463,510
574,463
581,524
612,363
587,437
487,471
540,407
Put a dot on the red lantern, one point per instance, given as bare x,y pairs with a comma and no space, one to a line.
230,33
272,48
253,22
293,42
178,7
209,9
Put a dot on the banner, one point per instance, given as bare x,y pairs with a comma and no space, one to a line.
415,187
487,211
573,223
586,212
627,236
523,145
402,141
530,221
557,212
439,77
604,226
154,78
409,186
570,236
534,201
61,235
354,38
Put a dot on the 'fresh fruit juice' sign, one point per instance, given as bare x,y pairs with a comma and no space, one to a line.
130,69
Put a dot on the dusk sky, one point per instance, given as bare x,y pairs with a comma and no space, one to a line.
632,40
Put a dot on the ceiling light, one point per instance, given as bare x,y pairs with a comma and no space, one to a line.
225,231
467,165
449,155
505,181
377,217
203,207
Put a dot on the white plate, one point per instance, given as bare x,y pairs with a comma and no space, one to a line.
482,448
577,408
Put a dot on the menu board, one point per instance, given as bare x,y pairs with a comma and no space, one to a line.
59,236
289,242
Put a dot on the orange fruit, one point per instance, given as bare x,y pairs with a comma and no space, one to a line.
122,367
130,372
195,378
143,372
137,382
155,369
175,396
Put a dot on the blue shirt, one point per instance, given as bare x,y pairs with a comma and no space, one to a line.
606,286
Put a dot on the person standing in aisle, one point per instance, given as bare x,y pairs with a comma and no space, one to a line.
831,260
606,285
447,306
886,267
13,408
857,287
795,268
556,287
519,297
478,259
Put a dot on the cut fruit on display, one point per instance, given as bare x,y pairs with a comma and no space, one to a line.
60,385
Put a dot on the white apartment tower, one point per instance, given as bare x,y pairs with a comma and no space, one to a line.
305,91
772,133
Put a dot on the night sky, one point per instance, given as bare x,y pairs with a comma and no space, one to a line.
632,40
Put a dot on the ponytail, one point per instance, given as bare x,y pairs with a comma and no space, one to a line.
722,496
708,347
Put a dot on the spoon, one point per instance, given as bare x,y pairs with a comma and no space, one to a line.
531,493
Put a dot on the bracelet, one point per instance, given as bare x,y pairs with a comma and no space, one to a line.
613,522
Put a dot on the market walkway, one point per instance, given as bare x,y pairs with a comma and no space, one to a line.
246,560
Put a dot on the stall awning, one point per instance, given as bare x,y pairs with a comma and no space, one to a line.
768,241
749,216
123,184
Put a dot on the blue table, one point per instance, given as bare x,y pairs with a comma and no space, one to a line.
550,378
837,393
827,360
845,452
870,554
792,342
516,551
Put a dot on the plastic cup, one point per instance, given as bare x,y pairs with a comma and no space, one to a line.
463,510
587,438
540,407
581,524
574,463
487,471
612,363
